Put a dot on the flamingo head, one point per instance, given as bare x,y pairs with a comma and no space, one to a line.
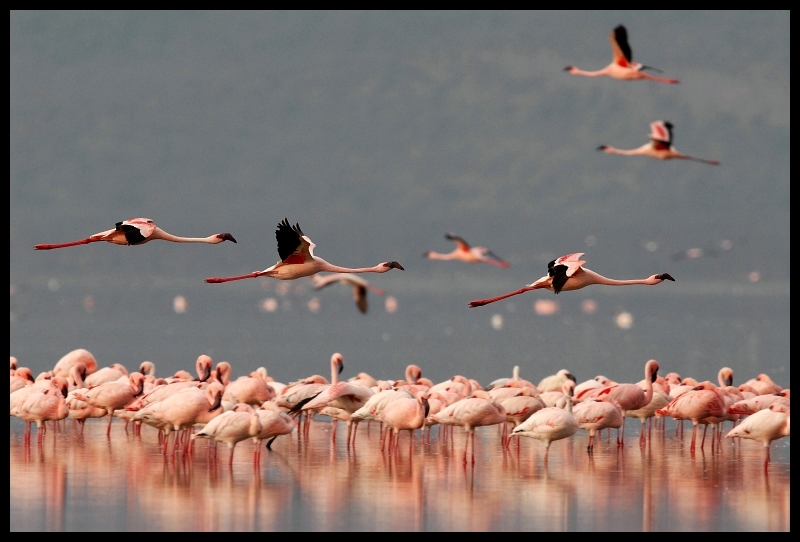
393,265
225,237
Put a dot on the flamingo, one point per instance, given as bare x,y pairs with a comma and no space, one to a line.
632,396
467,253
79,355
359,285
232,427
405,414
251,389
113,396
622,65
566,274
520,407
698,404
475,411
764,426
549,424
297,259
274,423
138,231
597,414
555,382
20,378
41,407
660,146
113,372
341,395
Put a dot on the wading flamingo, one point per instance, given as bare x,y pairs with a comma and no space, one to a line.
467,253
359,285
660,146
297,259
764,426
113,396
566,274
232,427
138,231
597,414
549,424
475,411
622,65
699,404
404,414
632,396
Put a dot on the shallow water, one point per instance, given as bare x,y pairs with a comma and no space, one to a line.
74,482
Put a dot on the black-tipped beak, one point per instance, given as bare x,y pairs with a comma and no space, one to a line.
601,148
228,237
568,68
395,265
666,276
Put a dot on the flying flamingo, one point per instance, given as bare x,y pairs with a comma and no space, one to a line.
467,253
359,285
622,65
549,424
660,146
764,426
297,259
566,274
138,231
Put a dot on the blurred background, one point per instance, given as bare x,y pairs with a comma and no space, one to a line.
378,132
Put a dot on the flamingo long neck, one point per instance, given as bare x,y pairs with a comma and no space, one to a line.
596,278
439,256
161,234
327,266
598,73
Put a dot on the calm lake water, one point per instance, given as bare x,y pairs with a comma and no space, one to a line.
74,482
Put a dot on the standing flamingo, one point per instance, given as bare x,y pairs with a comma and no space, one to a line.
549,424
632,396
43,406
622,65
567,273
764,426
660,146
138,231
467,253
359,285
475,411
297,259
232,427
698,404
404,414
113,396
597,414
79,355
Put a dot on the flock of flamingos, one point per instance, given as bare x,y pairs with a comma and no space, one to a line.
210,404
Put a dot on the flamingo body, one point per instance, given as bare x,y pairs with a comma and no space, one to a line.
359,285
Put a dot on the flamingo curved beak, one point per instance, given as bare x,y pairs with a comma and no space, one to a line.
227,237
666,276
394,265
